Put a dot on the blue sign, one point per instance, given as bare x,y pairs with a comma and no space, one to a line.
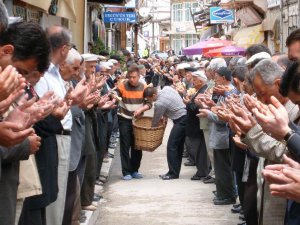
220,15
120,17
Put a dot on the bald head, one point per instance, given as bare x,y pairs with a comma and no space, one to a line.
60,41
58,37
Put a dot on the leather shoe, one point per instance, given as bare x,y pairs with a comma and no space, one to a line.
236,210
185,154
242,223
210,180
168,177
242,217
162,175
236,205
189,164
196,177
224,201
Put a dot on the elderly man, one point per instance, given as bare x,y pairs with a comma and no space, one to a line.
169,104
60,45
194,135
266,77
69,69
277,123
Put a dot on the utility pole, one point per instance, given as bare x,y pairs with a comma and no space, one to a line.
153,33
136,30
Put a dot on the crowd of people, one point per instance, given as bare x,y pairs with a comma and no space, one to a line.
235,119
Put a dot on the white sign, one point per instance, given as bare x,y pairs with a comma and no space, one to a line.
273,3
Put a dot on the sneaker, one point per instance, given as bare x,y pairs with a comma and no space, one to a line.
127,177
137,175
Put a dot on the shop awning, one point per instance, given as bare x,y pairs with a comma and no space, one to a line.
66,9
42,4
261,5
249,36
270,21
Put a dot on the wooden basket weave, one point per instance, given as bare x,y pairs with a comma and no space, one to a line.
148,138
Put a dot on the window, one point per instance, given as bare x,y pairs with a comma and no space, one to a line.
188,6
190,39
177,43
177,12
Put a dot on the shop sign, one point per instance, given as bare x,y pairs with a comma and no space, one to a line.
220,15
273,3
120,17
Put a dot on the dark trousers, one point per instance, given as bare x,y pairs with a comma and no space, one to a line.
130,157
198,149
223,173
250,195
32,216
191,152
115,122
70,198
240,186
89,180
102,130
293,215
175,146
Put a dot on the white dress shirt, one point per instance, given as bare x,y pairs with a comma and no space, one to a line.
52,81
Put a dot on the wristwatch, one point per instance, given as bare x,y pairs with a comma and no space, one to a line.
288,135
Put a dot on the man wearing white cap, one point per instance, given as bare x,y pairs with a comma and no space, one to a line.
194,135
89,151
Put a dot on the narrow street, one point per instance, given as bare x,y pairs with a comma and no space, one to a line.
152,201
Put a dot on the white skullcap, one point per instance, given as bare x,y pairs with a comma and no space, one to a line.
183,66
113,61
200,74
260,55
88,57
105,65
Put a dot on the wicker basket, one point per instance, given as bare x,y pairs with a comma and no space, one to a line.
148,138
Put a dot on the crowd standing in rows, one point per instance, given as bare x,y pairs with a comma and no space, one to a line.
237,119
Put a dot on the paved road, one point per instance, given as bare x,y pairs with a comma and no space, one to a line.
152,201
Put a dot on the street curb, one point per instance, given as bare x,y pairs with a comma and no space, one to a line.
92,216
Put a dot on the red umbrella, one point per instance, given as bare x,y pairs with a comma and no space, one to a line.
204,46
225,51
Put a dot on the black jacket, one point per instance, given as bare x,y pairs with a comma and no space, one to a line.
192,122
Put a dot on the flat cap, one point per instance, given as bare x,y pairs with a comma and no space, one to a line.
200,74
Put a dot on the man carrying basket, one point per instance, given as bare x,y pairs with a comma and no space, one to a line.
132,105
169,104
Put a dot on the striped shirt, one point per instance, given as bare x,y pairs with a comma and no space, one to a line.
132,98
168,104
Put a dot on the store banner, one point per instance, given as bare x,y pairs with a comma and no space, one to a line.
246,37
120,17
219,15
